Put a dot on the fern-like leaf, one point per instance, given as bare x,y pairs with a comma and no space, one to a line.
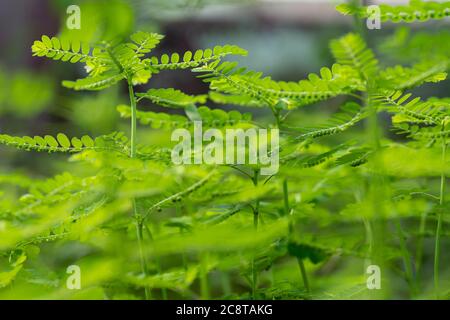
209,118
416,11
193,60
239,100
427,135
303,160
62,49
60,143
171,98
350,114
94,83
351,50
48,143
414,110
400,78
144,42
237,82
355,157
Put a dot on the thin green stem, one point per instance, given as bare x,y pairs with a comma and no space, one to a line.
369,235
139,234
377,187
304,275
137,216
225,281
287,212
357,21
437,249
276,114
419,250
255,180
256,208
406,258
204,286
241,171
133,119
164,293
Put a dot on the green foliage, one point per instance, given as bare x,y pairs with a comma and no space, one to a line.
350,114
348,191
172,98
109,63
209,118
401,78
143,42
64,50
192,60
407,46
417,10
305,251
351,50
243,87
39,93
413,110
48,143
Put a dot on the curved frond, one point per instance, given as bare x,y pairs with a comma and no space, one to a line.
355,157
414,110
209,117
61,143
62,49
400,78
350,114
305,160
427,134
144,42
416,11
48,143
94,83
193,60
238,100
171,98
228,78
405,45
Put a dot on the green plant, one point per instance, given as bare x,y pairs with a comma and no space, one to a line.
154,230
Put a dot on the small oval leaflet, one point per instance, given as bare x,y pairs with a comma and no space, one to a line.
63,140
87,141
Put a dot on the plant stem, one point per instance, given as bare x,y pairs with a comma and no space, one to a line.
137,216
377,188
255,223
204,286
226,286
369,235
276,114
157,261
287,212
133,119
357,21
256,209
139,228
304,275
406,258
437,248
419,251
378,194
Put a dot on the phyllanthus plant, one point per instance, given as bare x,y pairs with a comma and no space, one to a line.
108,64
342,196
